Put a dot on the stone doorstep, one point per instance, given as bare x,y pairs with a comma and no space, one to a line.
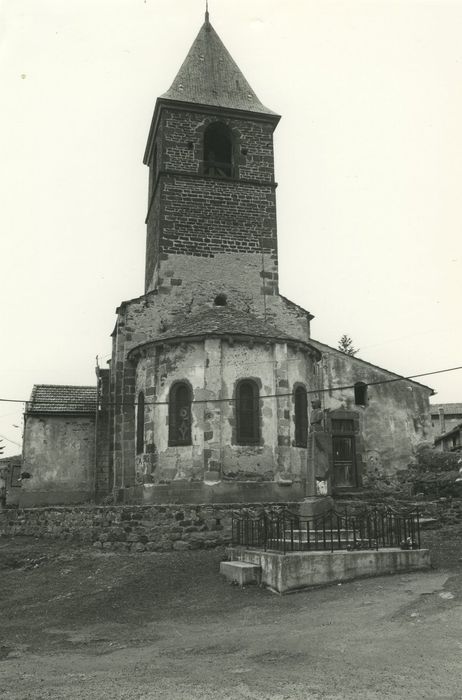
241,572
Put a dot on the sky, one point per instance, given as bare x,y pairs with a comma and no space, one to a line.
368,158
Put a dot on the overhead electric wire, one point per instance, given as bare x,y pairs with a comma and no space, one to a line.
8,440
320,390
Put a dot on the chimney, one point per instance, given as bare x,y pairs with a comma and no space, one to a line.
442,422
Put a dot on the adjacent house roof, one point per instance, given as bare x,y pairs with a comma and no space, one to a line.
455,429
450,409
209,76
13,458
57,398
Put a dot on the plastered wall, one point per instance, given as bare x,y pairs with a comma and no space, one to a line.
396,417
59,456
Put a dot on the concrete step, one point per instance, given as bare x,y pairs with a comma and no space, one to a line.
304,545
241,572
428,522
318,535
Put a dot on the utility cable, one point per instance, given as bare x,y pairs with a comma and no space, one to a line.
321,390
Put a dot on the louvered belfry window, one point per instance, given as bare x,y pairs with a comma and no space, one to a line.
247,413
179,415
218,150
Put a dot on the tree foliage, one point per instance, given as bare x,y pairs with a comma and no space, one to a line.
345,344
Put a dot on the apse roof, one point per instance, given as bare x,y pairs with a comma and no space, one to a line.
58,398
221,321
210,76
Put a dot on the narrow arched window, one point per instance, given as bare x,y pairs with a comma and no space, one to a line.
140,424
247,413
179,414
360,394
301,417
218,150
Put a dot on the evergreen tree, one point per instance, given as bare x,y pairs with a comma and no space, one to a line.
345,344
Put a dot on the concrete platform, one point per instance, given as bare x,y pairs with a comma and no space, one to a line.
240,572
295,571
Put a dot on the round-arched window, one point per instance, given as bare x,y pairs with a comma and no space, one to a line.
179,414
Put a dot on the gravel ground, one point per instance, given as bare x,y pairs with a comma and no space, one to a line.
80,624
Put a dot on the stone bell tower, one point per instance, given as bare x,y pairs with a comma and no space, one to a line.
211,221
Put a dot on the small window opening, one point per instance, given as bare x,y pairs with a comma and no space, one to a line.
220,300
247,413
301,417
360,394
140,424
218,150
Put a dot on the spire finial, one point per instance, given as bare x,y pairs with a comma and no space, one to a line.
207,16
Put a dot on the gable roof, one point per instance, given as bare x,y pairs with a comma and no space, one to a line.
60,398
210,76
322,347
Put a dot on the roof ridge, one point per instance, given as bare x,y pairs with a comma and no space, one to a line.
64,386
371,364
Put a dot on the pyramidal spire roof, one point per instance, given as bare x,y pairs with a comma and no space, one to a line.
209,76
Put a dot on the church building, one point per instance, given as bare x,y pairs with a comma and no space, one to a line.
216,391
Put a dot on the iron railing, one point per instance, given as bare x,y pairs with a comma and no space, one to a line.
368,528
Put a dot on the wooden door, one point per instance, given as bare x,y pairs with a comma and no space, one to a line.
344,460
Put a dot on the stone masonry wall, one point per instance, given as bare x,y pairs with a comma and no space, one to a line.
154,528
445,511
197,215
160,528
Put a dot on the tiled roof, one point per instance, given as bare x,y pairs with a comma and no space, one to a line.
449,408
455,429
57,398
222,320
209,76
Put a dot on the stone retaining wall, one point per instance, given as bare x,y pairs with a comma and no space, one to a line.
154,528
447,510
160,528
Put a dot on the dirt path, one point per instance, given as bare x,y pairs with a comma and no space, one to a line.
76,624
